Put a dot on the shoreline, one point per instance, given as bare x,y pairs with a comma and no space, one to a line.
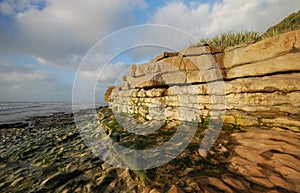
32,121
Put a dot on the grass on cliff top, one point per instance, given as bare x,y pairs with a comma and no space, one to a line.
231,39
290,23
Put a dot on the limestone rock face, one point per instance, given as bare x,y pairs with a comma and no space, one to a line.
249,85
255,87
264,50
108,93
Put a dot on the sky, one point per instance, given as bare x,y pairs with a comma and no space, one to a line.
48,48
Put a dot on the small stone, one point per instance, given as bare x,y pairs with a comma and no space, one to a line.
262,181
234,183
274,191
188,189
278,181
180,183
17,181
65,191
219,184
288,173
154,191
186,171
175,189
202,153
212,152
214,161
195,186
223,150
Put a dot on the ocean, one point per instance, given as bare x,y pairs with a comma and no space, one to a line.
12,112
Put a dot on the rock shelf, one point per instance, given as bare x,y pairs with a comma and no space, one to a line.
256,85
52,157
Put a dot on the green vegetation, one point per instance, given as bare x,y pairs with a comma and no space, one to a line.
135,115
292,22
231,39
236,125
205,121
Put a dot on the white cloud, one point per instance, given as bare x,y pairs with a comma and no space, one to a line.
6,9
106,75
190,17
63,30
91,84
60,32
204,20
10,7
27,83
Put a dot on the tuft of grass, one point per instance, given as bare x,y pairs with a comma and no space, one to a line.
270,34
231,39
290,23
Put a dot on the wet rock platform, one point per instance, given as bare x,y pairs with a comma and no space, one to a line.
50,155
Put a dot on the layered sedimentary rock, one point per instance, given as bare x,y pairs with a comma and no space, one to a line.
108,93
250,85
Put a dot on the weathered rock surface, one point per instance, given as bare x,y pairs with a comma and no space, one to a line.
254,87
50,157
108,93
250,85
257,151
269,158
251,160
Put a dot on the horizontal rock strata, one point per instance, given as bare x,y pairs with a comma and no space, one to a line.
249,85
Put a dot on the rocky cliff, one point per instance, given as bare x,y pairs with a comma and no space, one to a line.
250,85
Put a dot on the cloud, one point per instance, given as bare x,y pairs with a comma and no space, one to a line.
207,20
13,7
108,74
28,83
60,32
90,84
191,17
204,20
6,9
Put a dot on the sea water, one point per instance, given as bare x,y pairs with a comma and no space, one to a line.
12,112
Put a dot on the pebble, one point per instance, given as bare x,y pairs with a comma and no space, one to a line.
154,191
202,153
175,189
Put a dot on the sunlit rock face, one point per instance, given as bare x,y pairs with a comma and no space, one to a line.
249,85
